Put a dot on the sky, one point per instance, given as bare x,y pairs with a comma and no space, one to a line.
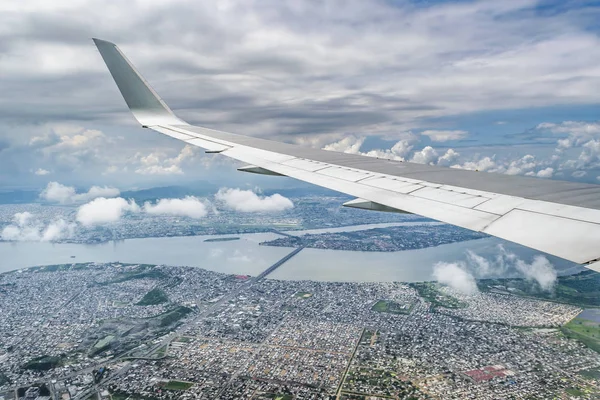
508,86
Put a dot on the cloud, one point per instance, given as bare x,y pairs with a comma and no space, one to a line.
57,230
352,145
456,276
103,210
189,206
449,158
540,270
349,144
444,136
25,227
503,264
41,172
545,173
267,75
426,156
58,193
249,201
158,163
23,218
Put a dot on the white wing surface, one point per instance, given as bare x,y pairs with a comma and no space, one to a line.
557,217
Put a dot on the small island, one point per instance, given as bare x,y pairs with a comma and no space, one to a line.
225,239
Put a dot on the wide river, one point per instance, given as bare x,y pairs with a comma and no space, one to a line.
245,256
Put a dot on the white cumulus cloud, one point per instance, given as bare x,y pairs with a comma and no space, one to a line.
59,193
352,145
539,270
189,206
444,136
249,201
545,173
25,227
103,210
41,172
456,276
426,156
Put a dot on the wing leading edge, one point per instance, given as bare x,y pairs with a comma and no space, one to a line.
557,217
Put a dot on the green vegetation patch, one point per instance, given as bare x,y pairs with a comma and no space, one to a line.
4,380
392,307
43,363
575,392
153,297
593,373
171,317
102,343
586,331
160,352
178,385
582,289
430,292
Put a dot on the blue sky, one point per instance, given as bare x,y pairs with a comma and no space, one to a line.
507,86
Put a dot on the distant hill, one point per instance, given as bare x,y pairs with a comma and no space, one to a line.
152,194
19,197
199,189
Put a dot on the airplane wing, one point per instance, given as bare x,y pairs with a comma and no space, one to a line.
557,217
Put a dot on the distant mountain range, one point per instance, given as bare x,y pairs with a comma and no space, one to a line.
199,189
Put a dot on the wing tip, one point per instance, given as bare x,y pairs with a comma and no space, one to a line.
98,41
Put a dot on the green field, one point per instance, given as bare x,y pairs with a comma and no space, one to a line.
104,342
161,352
172,316
593,373
582,289
587,332
43,363
430,292
392,307
178,385
153,297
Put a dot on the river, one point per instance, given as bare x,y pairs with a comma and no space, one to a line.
245,256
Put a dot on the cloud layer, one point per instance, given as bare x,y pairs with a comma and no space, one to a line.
249,201
62,194
103,210
189,206
279,69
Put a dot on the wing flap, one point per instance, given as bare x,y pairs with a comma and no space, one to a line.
563,237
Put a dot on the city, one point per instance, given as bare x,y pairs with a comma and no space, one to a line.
157,332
